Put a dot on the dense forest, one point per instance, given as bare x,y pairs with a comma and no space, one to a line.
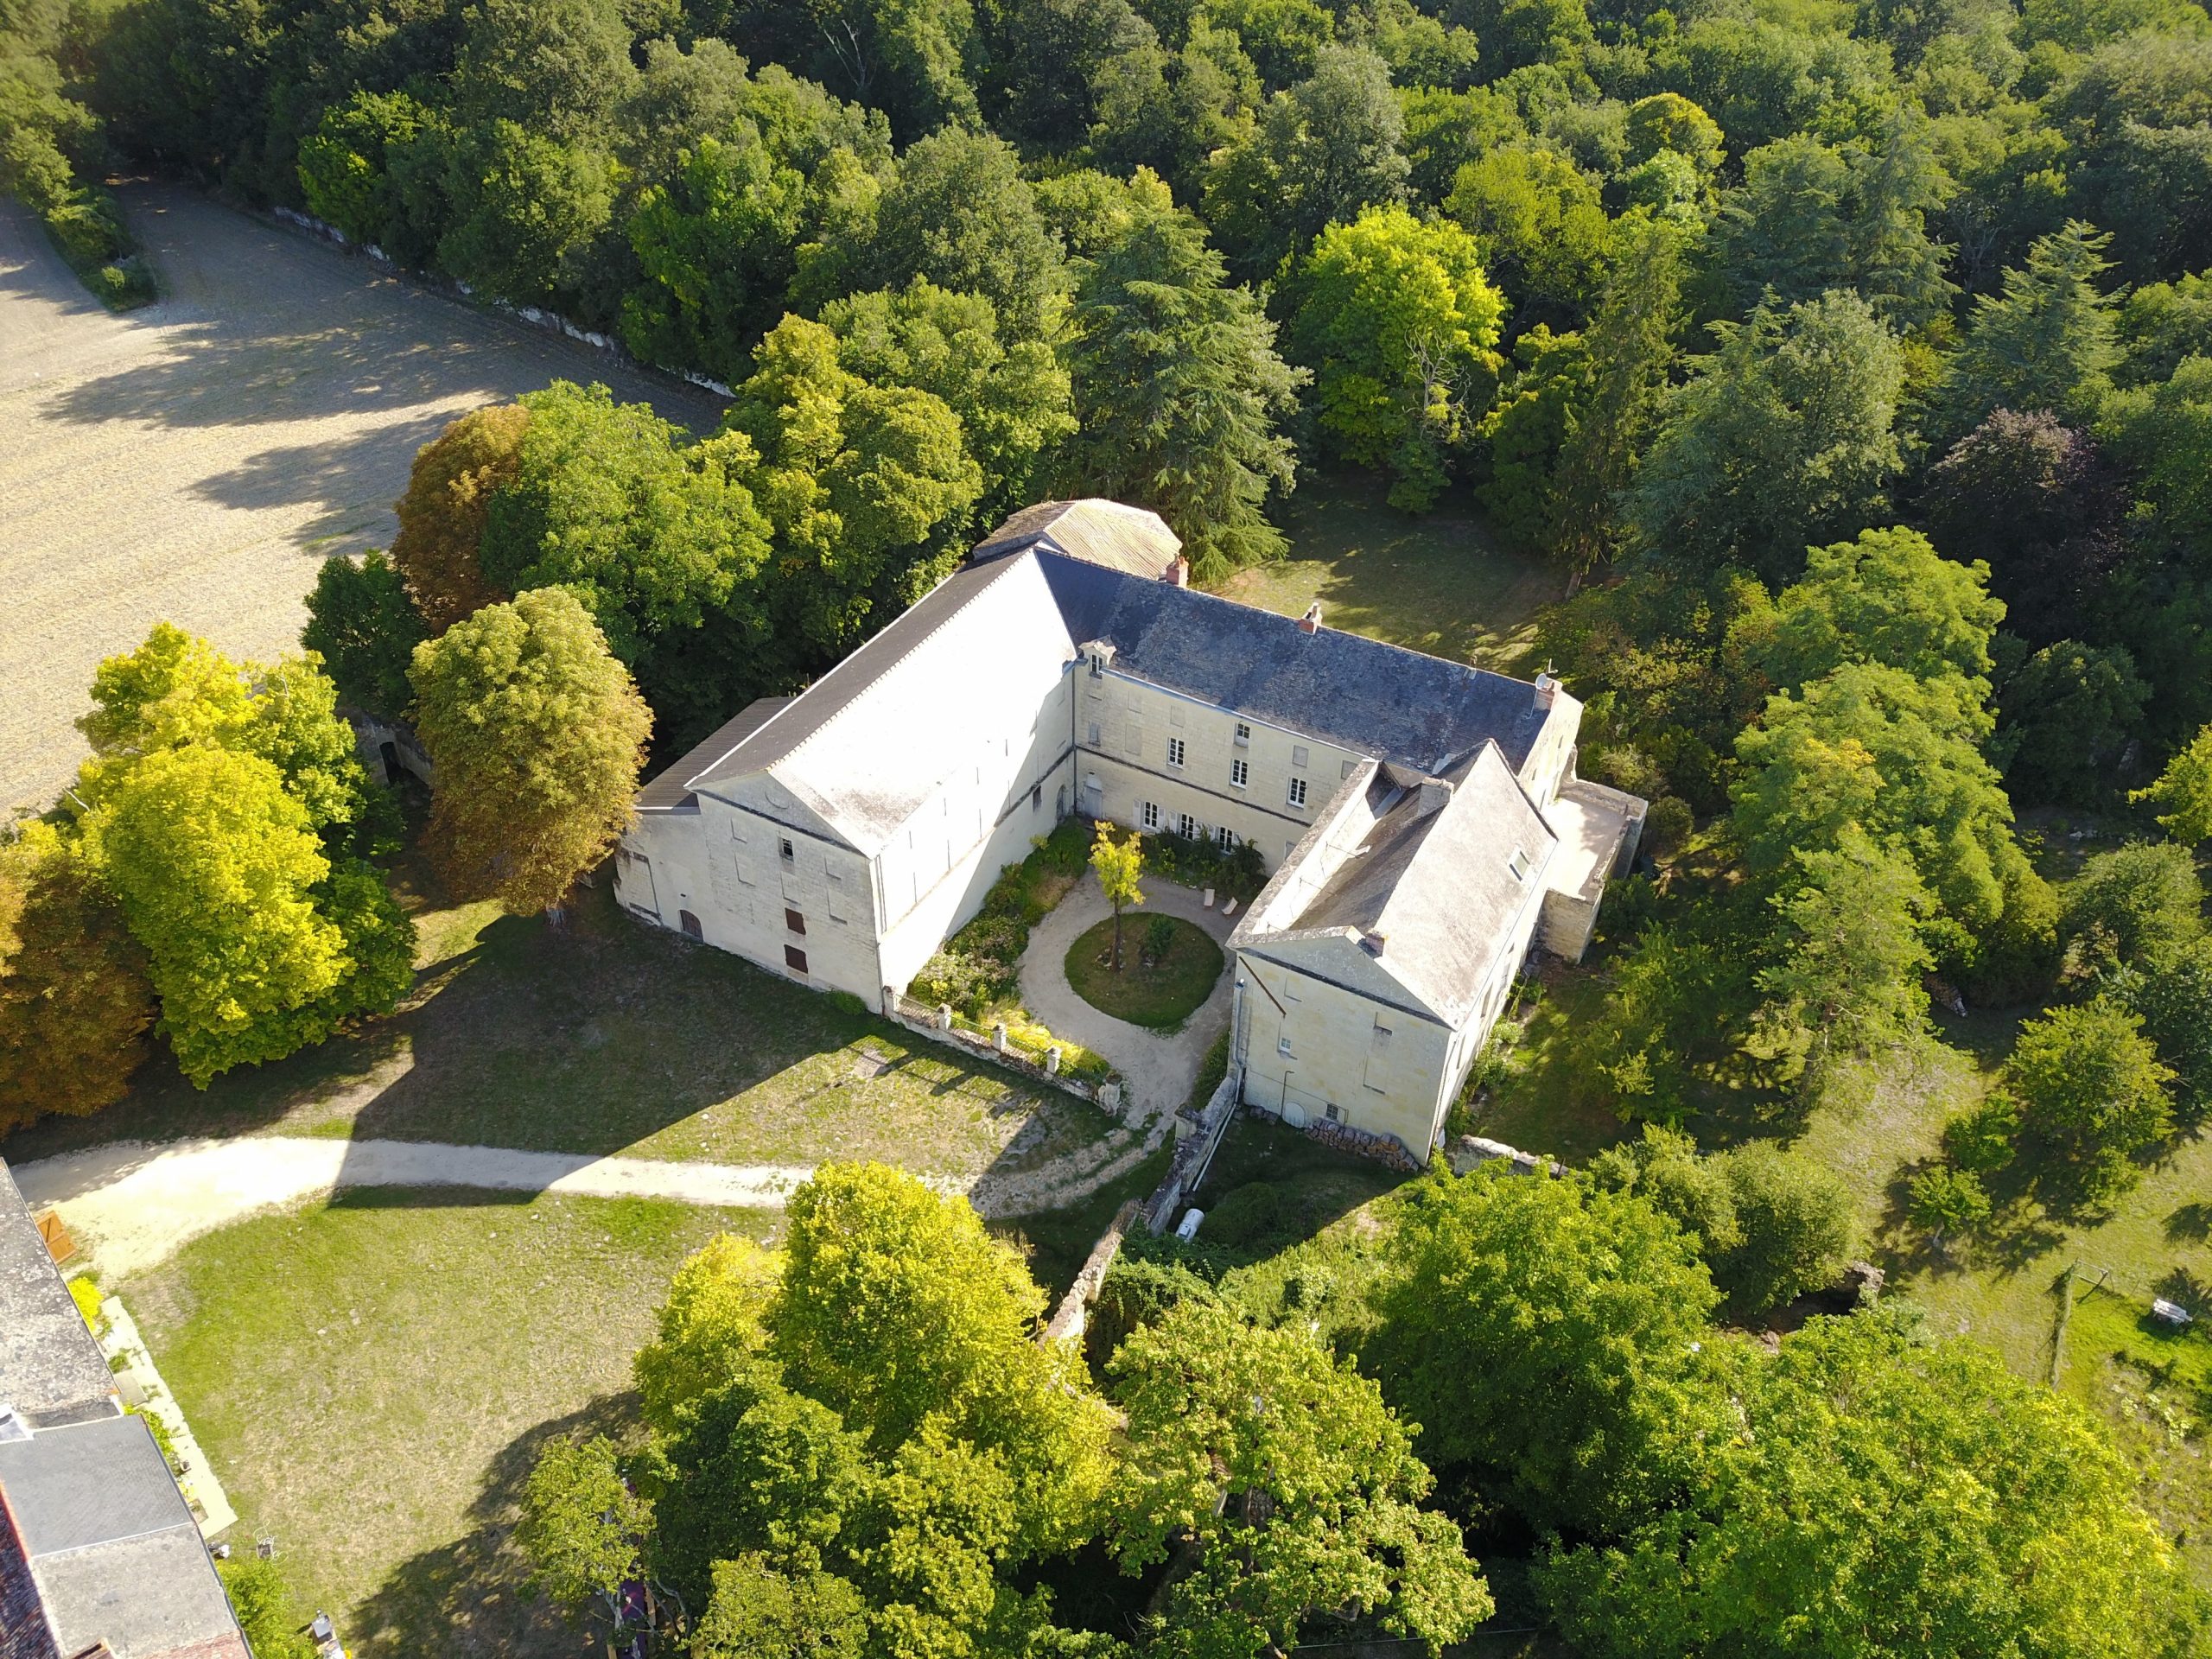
1851,364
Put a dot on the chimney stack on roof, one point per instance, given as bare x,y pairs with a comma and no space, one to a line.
1374,944
1310,622
1546,689
1177,574
1434,792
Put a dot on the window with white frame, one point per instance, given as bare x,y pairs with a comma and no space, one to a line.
1223,838
1175,752
1188,827
1240,774
1244,733
1149,814
1282,1046
1297,792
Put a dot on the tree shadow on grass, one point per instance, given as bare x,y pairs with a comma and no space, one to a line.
2189,1224
471,1596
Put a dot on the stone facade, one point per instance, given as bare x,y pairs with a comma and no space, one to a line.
839,838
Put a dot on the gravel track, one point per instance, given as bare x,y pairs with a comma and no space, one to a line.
197,460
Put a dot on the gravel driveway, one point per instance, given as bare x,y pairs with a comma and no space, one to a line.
196,461
1157,1068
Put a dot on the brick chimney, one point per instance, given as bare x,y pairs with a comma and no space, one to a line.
1177,574
1310,622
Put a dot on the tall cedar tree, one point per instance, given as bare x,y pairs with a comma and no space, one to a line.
1179,393
539,735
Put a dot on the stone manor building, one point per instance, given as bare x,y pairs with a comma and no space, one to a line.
1421,819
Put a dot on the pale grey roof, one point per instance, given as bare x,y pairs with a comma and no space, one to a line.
113,1549
1437,885
872,740
51,1370
1099,532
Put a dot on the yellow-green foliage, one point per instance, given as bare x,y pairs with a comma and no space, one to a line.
85,1293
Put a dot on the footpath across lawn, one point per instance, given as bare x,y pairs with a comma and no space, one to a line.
605,1035
372,1378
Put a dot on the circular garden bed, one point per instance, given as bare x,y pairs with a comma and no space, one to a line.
1168,968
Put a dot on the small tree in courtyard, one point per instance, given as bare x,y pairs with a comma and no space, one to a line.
1118,864
537,734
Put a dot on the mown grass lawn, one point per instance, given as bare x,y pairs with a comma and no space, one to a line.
1159,991
1439,584
604,1035
372,1378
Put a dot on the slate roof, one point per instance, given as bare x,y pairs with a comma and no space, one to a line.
872,740
1371,697
113,1549
51,1371
672,788
1437,885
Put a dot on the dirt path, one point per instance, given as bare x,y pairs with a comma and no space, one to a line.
1157,1068
133,1204
197,460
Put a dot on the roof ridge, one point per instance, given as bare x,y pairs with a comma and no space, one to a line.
1004,563
1278,618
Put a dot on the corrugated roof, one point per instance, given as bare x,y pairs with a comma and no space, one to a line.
1371,697
1438,884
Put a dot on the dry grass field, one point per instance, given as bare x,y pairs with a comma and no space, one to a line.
196,461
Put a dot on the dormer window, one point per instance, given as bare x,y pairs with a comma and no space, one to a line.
1518,864
1243,734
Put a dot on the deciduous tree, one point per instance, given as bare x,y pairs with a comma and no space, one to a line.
895,1302
1399,324
581,1522
441,516
2184,789
1826,1529
1548,1334
1287,1486
2091,1086
538,735
1316,155
215,867
74,998
1118,864
1785,435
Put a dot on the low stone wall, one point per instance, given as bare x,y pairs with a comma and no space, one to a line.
1381,1149
1470,1152
552,322
1196,1140
927,1022
1072,1316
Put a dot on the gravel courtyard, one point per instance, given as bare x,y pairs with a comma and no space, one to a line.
197,460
